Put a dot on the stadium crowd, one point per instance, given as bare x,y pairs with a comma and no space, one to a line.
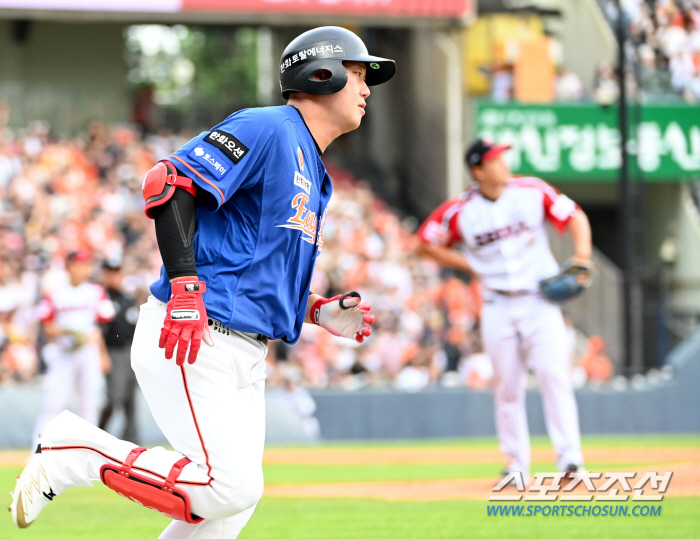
663,45
60,196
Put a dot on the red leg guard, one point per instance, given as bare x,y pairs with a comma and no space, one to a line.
163,497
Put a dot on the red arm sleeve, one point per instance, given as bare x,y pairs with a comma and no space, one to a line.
441,228
558,208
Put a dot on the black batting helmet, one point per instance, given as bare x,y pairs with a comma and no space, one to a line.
325,48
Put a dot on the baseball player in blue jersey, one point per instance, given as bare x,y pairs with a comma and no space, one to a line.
239,214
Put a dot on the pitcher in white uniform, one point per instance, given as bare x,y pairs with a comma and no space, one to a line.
495,231
75,353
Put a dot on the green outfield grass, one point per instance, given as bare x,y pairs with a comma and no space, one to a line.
596,440
98,513
356,519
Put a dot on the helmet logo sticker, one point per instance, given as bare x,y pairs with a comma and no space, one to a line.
374,65
321,50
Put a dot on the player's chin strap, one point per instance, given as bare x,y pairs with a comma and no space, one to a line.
163,497
159,185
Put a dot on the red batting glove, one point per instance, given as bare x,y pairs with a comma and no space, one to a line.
344,316
185,321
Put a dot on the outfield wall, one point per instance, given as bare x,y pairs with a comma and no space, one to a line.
670,406
448,413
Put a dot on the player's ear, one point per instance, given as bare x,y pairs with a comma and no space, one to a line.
322,74
476,172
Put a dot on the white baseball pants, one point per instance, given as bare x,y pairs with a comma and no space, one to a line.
68,371
521,332
212,412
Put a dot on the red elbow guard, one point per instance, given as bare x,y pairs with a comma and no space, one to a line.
159,185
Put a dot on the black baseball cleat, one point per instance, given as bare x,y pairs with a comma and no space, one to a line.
572,470
511,483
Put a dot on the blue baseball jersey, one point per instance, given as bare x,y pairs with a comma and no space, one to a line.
259,232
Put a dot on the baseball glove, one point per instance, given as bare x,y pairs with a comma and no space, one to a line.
573,278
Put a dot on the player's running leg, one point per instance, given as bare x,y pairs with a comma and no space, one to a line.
212,412
221,527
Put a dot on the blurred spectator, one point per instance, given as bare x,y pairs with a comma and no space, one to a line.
596,363
692,93
682,70
18,329
118,334
477,370
501,83
569,86
605,87
415,376
654,77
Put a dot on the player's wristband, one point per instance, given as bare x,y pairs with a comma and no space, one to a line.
188,287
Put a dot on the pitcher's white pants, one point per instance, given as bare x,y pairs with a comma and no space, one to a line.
68,371
212,412
524,332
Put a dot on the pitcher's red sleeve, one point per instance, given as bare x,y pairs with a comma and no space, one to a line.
442,228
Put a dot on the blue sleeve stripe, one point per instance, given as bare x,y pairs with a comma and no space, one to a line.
223,199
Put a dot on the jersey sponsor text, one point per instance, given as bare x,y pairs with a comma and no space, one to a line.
301,181
500,233
233,148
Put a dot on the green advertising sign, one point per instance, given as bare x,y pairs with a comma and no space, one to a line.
581,142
